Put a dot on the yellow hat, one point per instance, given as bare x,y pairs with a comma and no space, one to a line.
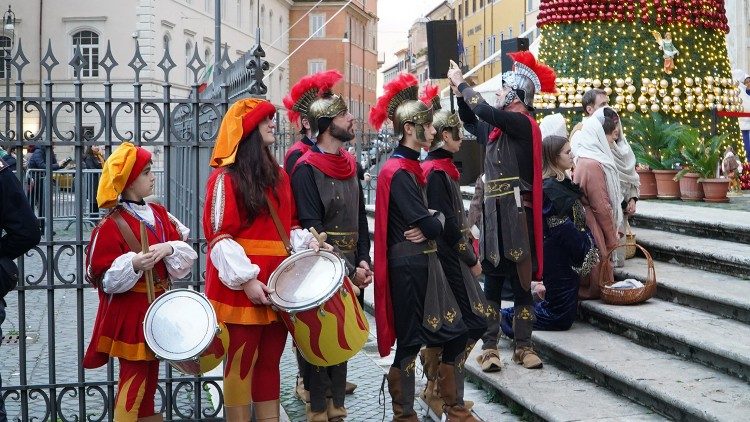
241,119
119,171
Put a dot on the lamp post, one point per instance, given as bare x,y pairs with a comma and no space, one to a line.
347,40
9,32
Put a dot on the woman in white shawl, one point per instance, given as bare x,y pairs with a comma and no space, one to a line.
599,178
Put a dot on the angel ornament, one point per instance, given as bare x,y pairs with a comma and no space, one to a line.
668,49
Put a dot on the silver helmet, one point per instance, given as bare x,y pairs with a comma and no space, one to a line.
524,84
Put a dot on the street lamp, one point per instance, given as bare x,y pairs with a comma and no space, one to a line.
347,40
9,36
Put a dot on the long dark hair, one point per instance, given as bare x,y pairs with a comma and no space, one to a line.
254,170
611,120
551,147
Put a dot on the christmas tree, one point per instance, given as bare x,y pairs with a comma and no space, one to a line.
666,56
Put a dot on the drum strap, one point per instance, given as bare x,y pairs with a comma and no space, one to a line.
126,232
279,227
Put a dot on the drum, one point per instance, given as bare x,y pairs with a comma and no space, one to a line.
318,306
181,328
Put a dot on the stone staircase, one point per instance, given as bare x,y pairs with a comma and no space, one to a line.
683,355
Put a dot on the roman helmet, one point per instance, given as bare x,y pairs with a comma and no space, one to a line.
401,105
441,119
527,78
312,97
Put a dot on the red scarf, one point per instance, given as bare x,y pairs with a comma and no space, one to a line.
341,166
495,134
383,306
298,146
443,164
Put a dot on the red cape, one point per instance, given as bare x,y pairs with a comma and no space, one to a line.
444,164
536,190
341,166
383,306
298,146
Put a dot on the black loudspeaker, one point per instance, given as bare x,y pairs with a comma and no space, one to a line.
511,46
442,47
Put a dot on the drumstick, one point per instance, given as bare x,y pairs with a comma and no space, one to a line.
148,273
320,237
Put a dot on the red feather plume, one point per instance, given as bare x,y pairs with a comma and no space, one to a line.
429,93
379,113
545,73
321,81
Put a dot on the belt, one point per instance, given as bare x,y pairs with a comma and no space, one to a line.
345,241
500,187
407,248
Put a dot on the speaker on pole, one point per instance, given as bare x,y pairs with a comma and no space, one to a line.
442,47
511,46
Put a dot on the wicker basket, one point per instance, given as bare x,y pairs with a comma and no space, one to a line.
629,241
629,296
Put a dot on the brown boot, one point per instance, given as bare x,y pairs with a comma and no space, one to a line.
350,387
313,416
237,413
452,409
300,392
401,389
490,361
266,410
153,418
526,356
335,413
430,358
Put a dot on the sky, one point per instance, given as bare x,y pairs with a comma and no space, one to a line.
395,19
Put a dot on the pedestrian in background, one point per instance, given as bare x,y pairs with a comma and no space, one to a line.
38,163
93,160
21,233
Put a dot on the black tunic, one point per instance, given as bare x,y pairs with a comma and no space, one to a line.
291,160
410,273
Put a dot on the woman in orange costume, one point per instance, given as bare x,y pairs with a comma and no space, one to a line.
115,264
244,247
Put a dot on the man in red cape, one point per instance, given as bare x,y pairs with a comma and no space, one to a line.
511,239
330,199
413,302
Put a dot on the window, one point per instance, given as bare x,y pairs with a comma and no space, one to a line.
252,16
165,41
510,32
281,31
522,25
88,42
270,26
481,4
315,66
263,23
481,48
4,52
473,6
208,57
317,20
188,51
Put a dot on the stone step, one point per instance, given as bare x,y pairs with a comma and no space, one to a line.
671,385
718,294
704,222
722,256
550,394
690,333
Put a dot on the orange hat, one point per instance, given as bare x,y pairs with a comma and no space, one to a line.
241,119
120,170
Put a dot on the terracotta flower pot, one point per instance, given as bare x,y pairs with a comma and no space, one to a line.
666,186
648,184
690,189
715,190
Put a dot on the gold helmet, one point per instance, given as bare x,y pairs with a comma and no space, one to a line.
401,104
312,97
441,119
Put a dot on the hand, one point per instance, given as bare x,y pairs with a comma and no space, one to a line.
361,279
476,270
456,92
144,261
368,177
538,289
316,246
455,75
257,292
415,235
630,209
161,251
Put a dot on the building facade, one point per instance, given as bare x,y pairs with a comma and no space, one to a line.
482,25
334,35
738,39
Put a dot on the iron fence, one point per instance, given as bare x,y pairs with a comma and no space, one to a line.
51,314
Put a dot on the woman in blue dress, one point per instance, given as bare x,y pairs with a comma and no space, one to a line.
569,251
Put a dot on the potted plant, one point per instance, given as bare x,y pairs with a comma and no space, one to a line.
654,143
704,159
690,190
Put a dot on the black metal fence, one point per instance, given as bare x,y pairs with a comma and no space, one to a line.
51,314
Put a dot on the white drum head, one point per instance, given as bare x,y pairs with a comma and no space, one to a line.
180,325
306,280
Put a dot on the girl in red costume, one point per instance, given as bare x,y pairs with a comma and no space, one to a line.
116,266
245,245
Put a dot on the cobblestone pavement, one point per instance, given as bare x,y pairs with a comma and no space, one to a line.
58,318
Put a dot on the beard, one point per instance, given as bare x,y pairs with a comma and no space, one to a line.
340,133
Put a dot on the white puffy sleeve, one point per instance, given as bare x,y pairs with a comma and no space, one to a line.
181,261
233,265
121,277
300,239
